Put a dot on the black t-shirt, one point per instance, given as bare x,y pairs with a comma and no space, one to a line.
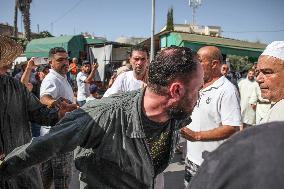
158,139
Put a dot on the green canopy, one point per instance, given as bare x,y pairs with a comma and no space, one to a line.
40,47
226,45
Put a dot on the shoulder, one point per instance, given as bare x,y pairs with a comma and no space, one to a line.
117,103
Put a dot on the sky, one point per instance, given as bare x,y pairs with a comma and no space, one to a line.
251,20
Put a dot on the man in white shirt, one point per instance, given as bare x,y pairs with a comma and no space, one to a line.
270,79
84,78
132,80
246,88
54,87
215,117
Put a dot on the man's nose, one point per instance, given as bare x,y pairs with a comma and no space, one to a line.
259,77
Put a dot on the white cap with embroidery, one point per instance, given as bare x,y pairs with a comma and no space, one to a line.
275,49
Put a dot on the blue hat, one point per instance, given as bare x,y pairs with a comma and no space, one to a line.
93,88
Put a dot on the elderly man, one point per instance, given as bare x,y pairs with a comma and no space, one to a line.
126,140
270,79
216,115
18,108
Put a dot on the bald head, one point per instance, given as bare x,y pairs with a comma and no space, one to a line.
211,53
210,58
75,60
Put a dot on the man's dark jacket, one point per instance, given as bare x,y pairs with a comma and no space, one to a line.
111,150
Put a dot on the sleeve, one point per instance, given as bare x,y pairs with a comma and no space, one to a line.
77,128
230,110
38,112
48,87
116,86
253,98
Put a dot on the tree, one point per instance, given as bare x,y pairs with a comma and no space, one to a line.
24,7
15,32
240,63
42,34
170,20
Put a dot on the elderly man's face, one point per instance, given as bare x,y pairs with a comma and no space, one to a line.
271,77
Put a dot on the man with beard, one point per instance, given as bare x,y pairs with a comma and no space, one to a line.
270,79
55,86
132,80
246,88
126,140
216,115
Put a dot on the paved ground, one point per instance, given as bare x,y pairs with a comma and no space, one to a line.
174,175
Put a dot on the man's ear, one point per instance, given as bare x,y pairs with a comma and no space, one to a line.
176,90
215,63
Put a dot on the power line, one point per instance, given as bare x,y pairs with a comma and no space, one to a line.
64,14
260,31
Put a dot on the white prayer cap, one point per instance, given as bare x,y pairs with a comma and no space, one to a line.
275,49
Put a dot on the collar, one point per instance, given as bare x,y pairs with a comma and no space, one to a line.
134,128
52,71
218,83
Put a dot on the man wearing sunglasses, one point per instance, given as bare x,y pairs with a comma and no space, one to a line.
53,88
132,80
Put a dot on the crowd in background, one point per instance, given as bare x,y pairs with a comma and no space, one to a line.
172,91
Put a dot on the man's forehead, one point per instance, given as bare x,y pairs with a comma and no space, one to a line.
60,54
139,53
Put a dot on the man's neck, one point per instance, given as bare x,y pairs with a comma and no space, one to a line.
154,107
138,77
213,79
63,75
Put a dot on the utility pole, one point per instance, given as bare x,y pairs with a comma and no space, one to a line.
153,32
37,28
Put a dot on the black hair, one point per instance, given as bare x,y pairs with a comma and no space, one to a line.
55,50
139,48
169,64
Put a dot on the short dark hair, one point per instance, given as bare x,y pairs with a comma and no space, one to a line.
169,64
139,48
86,62
55,50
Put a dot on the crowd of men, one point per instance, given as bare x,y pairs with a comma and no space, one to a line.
127,138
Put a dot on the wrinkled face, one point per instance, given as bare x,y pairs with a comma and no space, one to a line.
251,75
271,77
60,63
139,61
86,68
224,69
206,65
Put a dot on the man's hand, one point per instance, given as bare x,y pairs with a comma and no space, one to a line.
65,107
31,64
95,65
189,134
